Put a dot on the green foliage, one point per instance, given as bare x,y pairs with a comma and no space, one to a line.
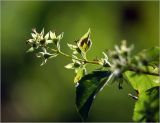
142,82
151,55
147,57
85,43
80,72
87,90
147,107
140,70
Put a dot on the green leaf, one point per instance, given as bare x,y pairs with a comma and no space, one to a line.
151,56
80,72
85,43
147,107
69,66
87,89
142,82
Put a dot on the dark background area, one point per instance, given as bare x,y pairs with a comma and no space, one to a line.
33,93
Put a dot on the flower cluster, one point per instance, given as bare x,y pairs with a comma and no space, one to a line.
39,43
120,58
48,46
117,64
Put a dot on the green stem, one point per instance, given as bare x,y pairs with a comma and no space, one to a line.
131,68
84,61
65,54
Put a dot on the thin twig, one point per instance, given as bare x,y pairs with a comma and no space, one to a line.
84,61
134,69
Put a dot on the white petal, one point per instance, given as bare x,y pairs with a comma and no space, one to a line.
117,49
30,49
58,47
52,35
74,57
47,36
75,52
30,41
53,55
42,32
40,54
44,50
33,35
34,30
44,62
60,36
107,62
72,47
49,41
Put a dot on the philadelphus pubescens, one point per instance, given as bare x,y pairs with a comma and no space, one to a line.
119,67
39,44
120,58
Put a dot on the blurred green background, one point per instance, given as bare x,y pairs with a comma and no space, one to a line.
34,93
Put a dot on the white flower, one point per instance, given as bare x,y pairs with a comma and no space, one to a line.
38,39
56,39
104,61
45,55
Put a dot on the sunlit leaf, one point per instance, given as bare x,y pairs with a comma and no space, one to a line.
87,89
85,43
80,72
147,107
142,82
150,56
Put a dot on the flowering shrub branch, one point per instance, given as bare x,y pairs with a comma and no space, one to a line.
116,65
